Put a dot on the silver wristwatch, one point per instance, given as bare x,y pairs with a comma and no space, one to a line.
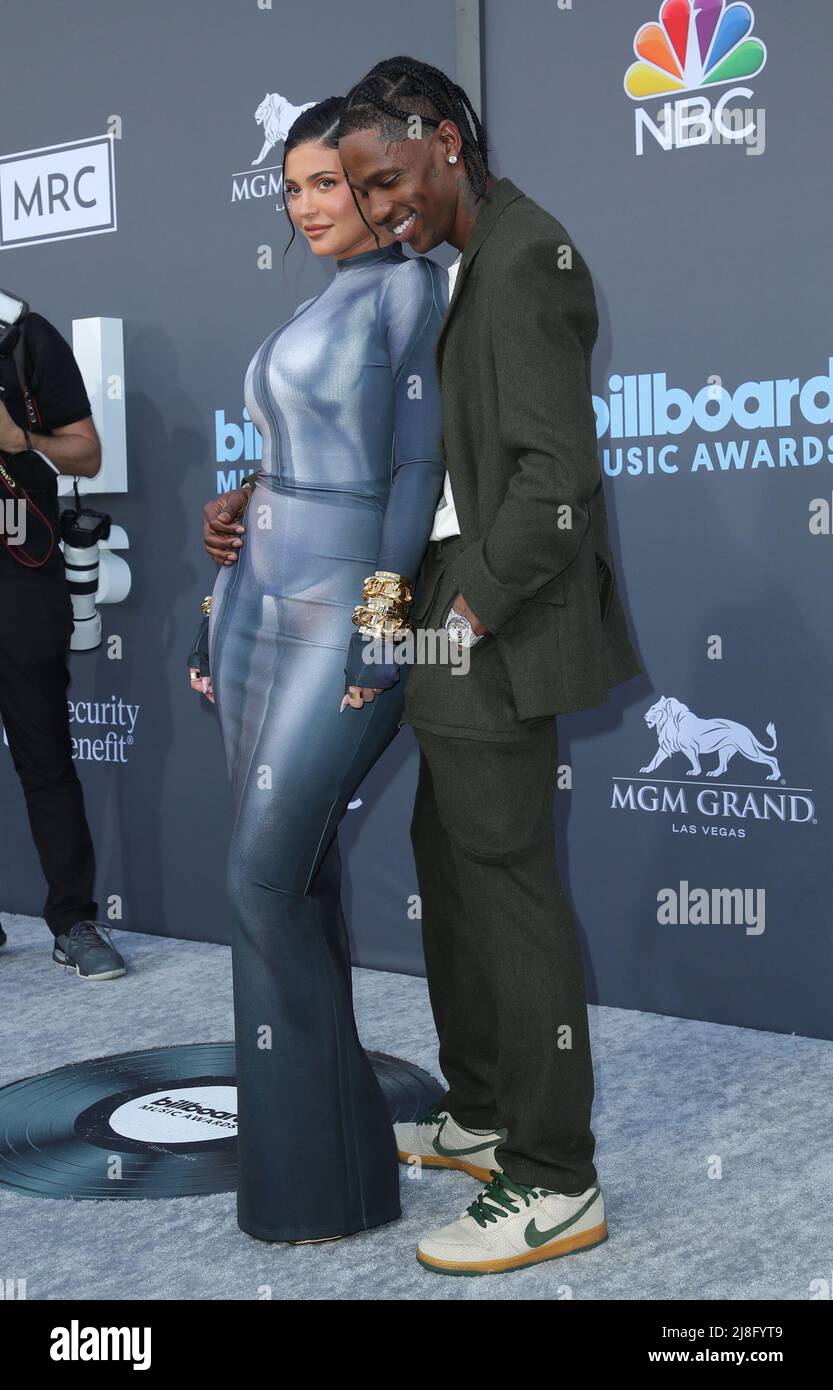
460,629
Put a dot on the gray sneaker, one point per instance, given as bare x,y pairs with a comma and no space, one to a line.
88,950
437,1141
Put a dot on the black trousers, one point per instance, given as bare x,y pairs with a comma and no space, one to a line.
505,973
35,631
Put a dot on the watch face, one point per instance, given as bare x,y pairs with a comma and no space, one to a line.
459,627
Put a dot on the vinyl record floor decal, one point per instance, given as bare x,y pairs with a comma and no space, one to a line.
158,1123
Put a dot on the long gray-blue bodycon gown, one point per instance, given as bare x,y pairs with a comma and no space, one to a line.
346,398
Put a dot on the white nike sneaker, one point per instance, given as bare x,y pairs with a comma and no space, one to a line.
511,1226
439,1142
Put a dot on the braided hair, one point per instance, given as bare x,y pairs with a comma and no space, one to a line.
377,100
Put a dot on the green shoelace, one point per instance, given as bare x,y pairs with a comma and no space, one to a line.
499,1198
432,1115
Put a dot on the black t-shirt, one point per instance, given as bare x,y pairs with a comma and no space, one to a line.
52,375
58,396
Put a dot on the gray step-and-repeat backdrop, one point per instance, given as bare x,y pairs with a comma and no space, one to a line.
684,146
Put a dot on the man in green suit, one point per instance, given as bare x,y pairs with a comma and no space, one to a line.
519,573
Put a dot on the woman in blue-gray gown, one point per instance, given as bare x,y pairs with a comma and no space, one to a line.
346,398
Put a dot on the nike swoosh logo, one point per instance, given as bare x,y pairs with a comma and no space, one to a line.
534,1237
441,1149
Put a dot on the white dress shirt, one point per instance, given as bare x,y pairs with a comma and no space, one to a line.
445,517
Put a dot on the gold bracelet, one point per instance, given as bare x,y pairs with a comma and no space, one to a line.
206,605
385,597
386,584
395,633
373,623
393,588
377,604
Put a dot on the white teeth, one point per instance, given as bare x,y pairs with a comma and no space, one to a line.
397,231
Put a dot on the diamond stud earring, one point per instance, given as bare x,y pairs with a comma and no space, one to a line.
452,159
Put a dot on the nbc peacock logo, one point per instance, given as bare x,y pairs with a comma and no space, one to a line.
696,44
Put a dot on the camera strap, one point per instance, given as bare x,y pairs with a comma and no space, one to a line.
30,407
13,485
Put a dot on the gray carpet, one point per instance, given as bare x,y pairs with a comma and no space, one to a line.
672,1098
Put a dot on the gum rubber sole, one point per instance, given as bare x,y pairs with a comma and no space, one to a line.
435,1161
568,1245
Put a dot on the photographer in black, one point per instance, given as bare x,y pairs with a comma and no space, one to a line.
45,418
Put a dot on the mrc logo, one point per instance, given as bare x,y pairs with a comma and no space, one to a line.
697,45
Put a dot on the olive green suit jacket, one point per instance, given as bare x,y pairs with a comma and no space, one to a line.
519,442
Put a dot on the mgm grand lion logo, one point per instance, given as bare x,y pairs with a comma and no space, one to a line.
678,730
277,116
709,807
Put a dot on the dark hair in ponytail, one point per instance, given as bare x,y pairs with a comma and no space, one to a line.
318,126
397,89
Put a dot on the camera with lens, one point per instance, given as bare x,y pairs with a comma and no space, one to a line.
81,530
30,478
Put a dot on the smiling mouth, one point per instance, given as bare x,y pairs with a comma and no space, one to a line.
402,227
